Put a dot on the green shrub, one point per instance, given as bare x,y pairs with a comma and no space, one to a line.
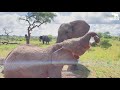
50,37
105,44
93,44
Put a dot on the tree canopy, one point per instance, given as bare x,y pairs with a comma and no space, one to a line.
36,19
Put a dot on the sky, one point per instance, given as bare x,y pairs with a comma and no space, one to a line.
98,21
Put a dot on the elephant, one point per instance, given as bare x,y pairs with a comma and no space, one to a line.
70,30
44,38
28,61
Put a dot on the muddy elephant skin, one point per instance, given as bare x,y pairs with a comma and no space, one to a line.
27,61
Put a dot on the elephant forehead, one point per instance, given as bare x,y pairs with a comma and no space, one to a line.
65,27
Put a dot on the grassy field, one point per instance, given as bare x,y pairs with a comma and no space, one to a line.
102,63
5,49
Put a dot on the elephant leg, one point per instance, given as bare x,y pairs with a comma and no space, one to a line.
72,67
55,72
43,41
14,74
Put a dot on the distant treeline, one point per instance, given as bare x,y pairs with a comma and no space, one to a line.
107,36
105,39
21,38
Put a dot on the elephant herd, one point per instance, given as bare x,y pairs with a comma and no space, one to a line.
27,61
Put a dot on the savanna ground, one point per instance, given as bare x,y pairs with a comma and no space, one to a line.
101,62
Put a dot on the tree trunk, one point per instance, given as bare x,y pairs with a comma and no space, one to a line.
28,41
7,38
28,37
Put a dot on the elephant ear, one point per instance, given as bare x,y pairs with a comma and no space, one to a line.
64,32
63,56
80,28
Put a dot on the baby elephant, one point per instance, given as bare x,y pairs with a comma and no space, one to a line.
29,61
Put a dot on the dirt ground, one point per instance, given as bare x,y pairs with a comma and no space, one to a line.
82,72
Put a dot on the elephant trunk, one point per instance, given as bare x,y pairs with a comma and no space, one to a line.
73,45
61,38
80,45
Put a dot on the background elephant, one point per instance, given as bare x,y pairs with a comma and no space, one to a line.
29,61
70,30
44,38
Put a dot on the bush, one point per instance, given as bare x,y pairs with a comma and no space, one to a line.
50,37
93,44
105,44
100,35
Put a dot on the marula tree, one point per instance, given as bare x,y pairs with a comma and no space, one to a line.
36,19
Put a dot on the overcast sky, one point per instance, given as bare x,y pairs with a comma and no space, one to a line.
98,21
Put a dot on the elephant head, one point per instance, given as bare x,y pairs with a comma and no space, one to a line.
40,38
78,46
73,29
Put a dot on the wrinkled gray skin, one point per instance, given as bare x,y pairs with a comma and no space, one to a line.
70,30
29,61
73,29
44,38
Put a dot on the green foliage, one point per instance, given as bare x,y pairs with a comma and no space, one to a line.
101,54
40,17
105,44
13,38
50,37
119,38
93,44
100,34
105,35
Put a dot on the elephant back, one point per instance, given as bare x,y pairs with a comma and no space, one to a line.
44,38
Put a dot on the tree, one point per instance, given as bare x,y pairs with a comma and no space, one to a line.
7,33
100,34
106,35
36,19
105,44
50,37
118,36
